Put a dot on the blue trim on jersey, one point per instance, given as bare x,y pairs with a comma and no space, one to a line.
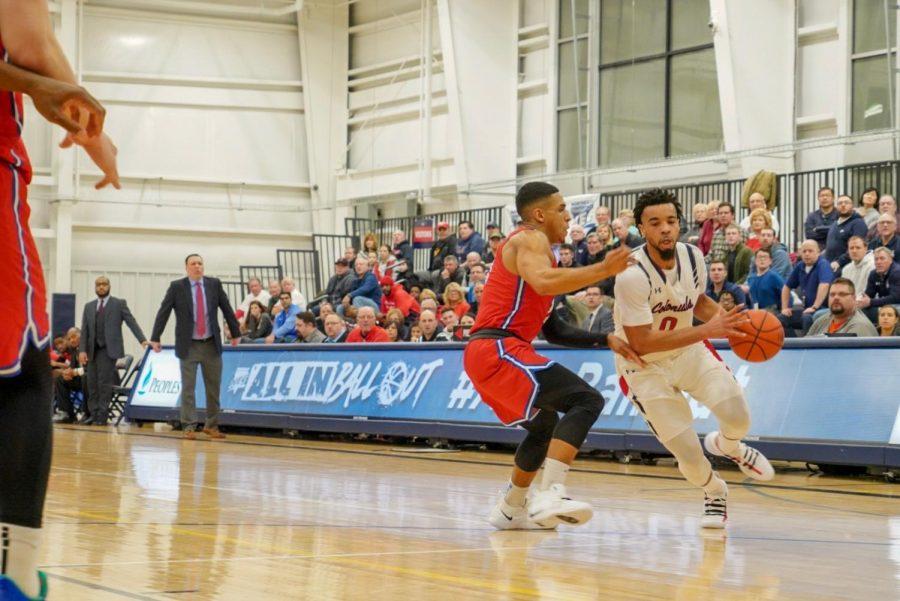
520,294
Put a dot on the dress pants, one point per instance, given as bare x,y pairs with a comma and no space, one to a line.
102,375
202,353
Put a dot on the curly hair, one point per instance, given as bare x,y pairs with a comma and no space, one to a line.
656,196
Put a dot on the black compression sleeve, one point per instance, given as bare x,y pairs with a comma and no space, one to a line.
557,331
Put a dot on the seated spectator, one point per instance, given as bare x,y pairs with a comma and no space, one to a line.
709,227
349,255
888,321
256,293
494,243
455,299
765,285
386,261
428,324
600,318
567,256
577,236
284,327
760,219
450,321
467,240
450,274
860,265
602,216
692,235
444,246
620,228
819,222
886,205
366,290
429,301
396,317
842,317
491,229
274,290
287,285
627,217
886,227
883,287
848,224
465,327
718,281
596,246
58,356
810,277
719,246
68,380
738,256
727,300
307,332
392,332
366,329
335,329
415,332
867,209
477,275
472,259
757,202
394,296
370,244
781,261
257,325
477,293
325,309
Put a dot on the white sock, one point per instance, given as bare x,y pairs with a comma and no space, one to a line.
19,553
555,472
728,446
516,495
716,487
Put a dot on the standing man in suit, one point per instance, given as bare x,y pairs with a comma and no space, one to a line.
198,340
600,319
101,346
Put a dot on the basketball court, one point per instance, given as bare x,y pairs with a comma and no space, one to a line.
134,514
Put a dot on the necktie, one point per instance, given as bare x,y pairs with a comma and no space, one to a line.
101,324
201,311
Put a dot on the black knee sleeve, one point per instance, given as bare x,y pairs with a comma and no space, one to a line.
25,440
533,449
574,426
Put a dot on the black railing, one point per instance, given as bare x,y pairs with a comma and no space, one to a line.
302,266
235,292
329,248
265,273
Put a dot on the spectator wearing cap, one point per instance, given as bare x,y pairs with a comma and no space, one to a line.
307,332
335,329
842,317
883,287
341,283
468,240
444,246
493,244
366,290
490,229
366,329
403,252
810,277
451,273
394,296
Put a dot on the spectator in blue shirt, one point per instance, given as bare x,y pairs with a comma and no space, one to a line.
284,328
367,290
765,284
820,221
781,260
718,282
883,287
810,278
849,223
468,241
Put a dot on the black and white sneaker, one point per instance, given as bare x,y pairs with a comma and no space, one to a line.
715,513
753,463
508,517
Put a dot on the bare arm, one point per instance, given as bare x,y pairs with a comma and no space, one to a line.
644,340
821,295
707,308
530,259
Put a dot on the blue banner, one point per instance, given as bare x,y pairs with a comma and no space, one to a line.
833,394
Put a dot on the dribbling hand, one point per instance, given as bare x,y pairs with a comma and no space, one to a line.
725,325
616,261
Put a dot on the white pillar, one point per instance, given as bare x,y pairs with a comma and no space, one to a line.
62,264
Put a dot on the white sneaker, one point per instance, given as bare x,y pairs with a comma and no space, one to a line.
554,506
715,513
753,463
508,517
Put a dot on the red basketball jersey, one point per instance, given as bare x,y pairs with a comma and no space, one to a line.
21,277
509,303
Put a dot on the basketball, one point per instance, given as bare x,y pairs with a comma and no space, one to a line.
765,337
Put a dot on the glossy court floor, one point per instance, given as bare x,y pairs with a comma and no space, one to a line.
132,514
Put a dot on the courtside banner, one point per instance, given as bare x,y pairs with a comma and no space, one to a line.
839,394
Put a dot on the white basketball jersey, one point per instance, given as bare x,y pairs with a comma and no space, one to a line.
647,294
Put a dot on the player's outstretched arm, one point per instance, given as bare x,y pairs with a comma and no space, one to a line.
645,340
532,264
557,331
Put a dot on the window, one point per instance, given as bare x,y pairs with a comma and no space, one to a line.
659,95
874,56
572,101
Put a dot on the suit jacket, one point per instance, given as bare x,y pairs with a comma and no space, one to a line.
178,297
603,323
115,311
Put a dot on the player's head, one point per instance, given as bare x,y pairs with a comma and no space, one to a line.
540,204
658,216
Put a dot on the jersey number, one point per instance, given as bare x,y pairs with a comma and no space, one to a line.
668,323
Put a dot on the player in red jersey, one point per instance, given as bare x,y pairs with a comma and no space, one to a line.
524,388
42,72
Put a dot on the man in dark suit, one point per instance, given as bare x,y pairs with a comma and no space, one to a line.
599,319
198,340
101,346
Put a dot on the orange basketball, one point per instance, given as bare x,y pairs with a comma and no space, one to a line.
765,337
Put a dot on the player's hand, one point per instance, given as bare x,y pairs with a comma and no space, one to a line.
725,325
82,358
157,347
787,312
103,152
616,261
69,106
619,346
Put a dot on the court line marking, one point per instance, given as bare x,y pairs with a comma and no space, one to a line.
98,587
493,463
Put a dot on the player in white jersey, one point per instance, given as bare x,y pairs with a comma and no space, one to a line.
657,299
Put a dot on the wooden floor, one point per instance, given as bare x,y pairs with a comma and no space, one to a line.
132,514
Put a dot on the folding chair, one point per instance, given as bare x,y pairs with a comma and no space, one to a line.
120,393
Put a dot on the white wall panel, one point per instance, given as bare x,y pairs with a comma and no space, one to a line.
38,138
137,42
397,144
374,10
532,12
395,42
532,137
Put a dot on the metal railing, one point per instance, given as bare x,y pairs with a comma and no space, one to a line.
302,266
265,273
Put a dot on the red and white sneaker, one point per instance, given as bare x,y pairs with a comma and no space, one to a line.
715,512
753,463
